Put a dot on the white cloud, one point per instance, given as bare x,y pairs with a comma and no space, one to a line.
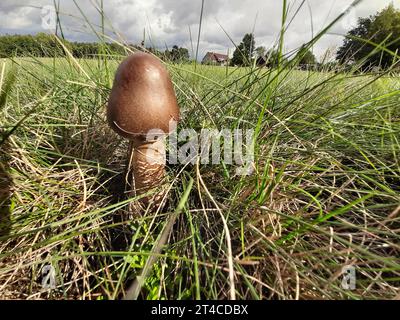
167,22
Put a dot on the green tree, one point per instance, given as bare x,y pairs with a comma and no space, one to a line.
46,45
40,45
243,54
382,28
272,58
260,51
177,54
308,59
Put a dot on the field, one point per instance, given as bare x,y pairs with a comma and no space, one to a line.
324,194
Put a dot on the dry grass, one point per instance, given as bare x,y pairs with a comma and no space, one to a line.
324,194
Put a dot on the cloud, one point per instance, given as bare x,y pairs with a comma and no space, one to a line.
169,22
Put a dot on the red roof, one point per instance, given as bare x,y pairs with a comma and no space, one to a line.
217,56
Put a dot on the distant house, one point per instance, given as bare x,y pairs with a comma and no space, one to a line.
215,58
262,61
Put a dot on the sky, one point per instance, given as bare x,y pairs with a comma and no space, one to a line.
164,23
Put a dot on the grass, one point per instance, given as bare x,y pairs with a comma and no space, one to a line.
325,192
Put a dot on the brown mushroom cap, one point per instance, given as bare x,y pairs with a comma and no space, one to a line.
142,97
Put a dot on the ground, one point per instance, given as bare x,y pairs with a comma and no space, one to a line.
324,194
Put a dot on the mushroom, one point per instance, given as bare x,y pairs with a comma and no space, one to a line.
142,107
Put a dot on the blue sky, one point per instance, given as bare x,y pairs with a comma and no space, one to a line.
170,22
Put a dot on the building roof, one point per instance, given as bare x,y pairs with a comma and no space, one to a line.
217,56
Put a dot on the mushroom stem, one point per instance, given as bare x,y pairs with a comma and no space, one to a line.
147,166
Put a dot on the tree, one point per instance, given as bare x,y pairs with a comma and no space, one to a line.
352,48
383,29
272,58
260,52
308,59
46,45
40,45
177,54
243,54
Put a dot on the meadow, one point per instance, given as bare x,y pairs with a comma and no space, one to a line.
324,194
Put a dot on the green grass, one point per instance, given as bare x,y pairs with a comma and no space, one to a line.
325,192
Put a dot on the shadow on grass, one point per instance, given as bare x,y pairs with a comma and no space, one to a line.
5,192
99,145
